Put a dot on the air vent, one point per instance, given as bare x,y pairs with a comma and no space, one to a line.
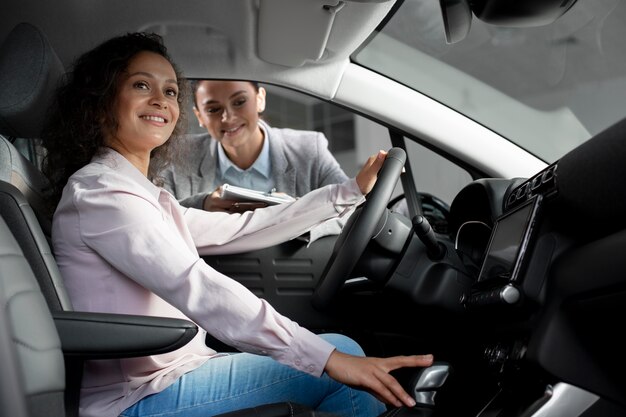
543,183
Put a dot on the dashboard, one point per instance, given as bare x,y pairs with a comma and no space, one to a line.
542,265
496,225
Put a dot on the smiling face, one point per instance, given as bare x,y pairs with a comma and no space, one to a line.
146,105
229,110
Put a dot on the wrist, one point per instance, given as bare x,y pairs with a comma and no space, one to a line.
206,202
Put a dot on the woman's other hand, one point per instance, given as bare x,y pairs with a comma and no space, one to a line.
366,178
372,374
213,202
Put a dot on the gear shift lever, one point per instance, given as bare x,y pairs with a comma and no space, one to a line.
424,385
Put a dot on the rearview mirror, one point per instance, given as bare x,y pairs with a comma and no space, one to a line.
457,14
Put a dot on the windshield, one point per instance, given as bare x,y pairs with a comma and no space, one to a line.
547,88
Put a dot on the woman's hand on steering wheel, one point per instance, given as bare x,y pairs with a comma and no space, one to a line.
366,178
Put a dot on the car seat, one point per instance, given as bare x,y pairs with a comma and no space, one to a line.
29,72
32,353
37,377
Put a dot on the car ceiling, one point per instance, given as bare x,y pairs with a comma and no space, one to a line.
274,41
220,39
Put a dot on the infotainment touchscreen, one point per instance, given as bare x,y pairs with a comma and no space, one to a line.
508,243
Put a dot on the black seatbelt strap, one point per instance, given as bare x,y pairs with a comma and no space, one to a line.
410,192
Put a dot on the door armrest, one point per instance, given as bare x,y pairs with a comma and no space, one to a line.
105,336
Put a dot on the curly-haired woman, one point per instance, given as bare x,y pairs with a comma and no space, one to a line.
125,245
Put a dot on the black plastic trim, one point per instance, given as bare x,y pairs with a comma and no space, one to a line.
105,336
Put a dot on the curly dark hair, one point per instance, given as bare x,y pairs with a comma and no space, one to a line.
83,109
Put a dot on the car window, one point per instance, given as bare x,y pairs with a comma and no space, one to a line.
289,109
435,174
286,108
545,88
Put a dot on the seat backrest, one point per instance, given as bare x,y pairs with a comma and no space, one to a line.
24,226
36,373
15,169
12,398
29,73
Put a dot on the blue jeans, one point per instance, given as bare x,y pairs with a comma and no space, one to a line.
243,380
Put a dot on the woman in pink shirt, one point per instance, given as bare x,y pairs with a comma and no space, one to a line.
125,245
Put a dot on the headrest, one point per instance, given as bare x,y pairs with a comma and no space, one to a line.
29,73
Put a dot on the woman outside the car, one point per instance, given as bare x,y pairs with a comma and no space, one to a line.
241,149
125,245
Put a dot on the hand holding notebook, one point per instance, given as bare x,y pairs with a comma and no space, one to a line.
231,192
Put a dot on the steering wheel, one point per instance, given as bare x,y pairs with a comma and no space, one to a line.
359,230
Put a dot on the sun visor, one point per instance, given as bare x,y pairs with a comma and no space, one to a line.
293,32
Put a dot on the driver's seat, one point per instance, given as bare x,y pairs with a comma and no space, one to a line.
32,383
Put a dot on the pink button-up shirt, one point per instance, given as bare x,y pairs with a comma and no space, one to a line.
124,245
